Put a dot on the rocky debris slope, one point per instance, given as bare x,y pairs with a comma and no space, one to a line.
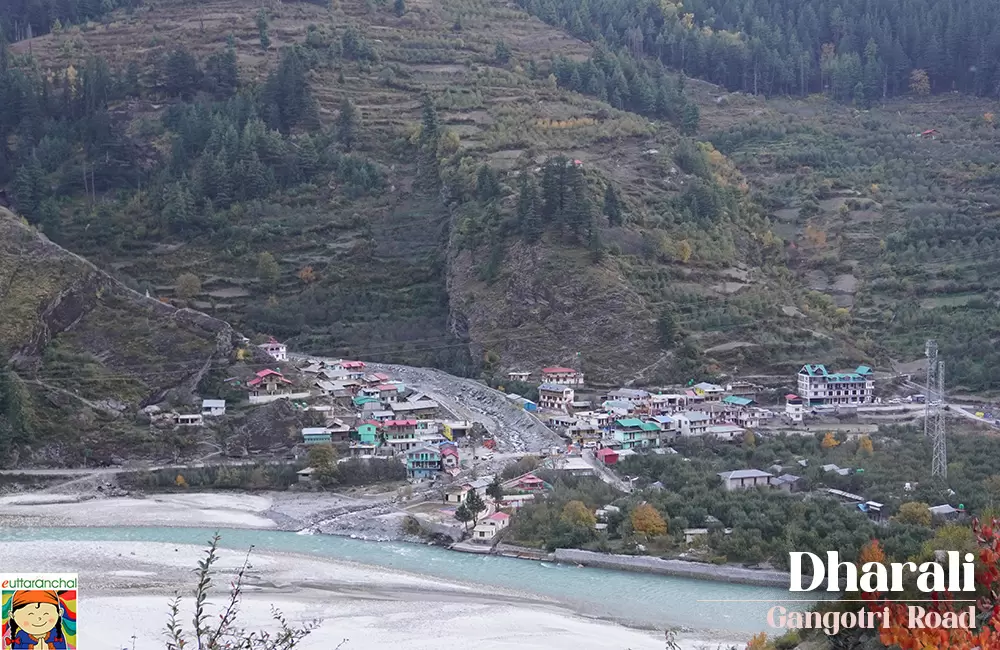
514,429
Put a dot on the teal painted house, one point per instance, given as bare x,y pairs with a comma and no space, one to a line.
364,439
633,432
423,462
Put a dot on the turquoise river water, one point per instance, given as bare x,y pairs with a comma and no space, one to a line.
637,598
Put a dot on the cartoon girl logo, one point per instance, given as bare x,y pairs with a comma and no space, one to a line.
40,620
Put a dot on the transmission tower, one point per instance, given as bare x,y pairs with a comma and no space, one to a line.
930,411
939,461
934,411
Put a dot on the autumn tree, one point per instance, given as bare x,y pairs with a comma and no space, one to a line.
187,286
749,440
829,442
871,552
323,459
647,520
576,513
684,251
865,445
920,83
984,635
915,513
307,275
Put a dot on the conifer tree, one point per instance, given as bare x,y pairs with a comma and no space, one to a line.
487,185
527,209
612,209
347,123
265,40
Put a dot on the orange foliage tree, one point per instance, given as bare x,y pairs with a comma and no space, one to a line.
647,520
986,637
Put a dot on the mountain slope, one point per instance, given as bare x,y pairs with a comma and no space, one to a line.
405,258
91,350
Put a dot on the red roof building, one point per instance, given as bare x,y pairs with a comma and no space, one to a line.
563,376
263,375
607,456
352,365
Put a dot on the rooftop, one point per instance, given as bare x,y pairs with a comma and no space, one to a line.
557,370
414,406
556,388
745,473
401,423
213,403
629,393
737,401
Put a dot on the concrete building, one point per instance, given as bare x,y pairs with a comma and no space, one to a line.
794,409
555,397
213,407
277,350
562,376
820,387
745,479
691,423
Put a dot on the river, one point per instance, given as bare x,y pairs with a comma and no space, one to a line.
634,598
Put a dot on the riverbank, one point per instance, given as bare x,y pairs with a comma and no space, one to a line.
331,514
126,587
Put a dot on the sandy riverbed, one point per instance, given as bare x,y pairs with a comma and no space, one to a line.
126,587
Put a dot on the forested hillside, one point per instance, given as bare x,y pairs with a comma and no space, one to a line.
858,50
399,181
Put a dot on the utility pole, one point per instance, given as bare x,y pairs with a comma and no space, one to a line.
934,413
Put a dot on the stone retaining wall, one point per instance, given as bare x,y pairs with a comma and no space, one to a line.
680,568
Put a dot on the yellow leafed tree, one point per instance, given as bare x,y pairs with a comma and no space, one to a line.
865,445
829,442
647,520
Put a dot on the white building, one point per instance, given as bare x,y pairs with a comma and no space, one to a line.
819,387
555,397
691,423
188,420
631,395
745,479
277,350
709,392
490,527
519,375
563,376
213,407
726,432
794,409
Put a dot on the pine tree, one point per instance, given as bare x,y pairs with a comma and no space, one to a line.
501,53
612,209
347,123
487,185
222,72
527,209
475,505
552,189
181,74
690,118
576,200
399,7
594,243
29,188
265,40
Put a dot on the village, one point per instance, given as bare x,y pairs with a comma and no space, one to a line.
453,461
